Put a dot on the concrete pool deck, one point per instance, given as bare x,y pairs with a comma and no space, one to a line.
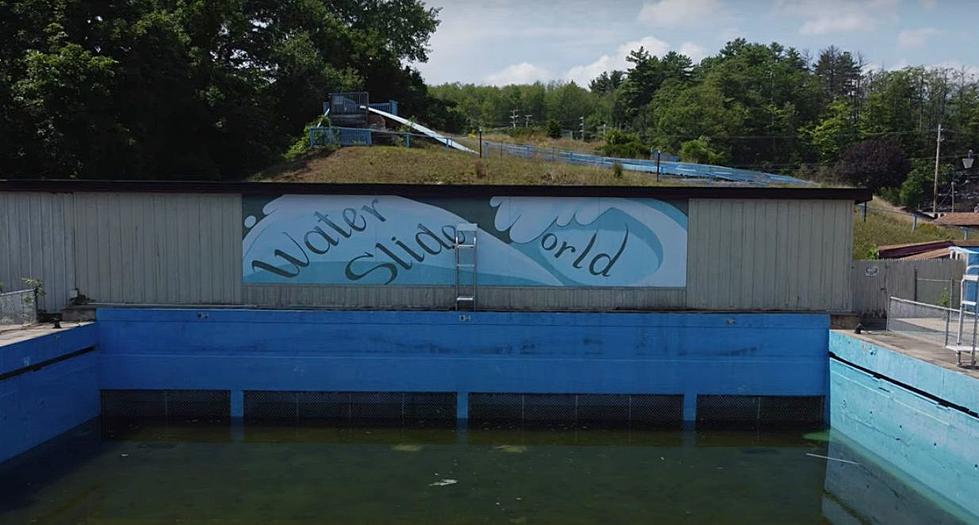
12,335
917,348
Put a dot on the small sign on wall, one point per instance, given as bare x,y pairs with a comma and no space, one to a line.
522,241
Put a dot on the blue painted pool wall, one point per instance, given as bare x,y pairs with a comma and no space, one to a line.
39,405
935,444
605,353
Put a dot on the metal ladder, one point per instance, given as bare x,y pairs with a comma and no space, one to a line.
965,303
465,257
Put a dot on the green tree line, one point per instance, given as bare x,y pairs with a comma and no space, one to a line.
220,89
191,88
766,107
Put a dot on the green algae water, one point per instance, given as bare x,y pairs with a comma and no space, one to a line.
264,475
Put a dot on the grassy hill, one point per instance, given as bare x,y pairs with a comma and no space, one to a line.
887,224
437,165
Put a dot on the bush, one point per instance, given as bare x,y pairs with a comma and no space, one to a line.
553,129
623,144
700,151
875,164
617,170
301,145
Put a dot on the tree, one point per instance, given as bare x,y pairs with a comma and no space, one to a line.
553,129
838,72
917,187
621,144
607,82
700,151
189,89
874,164
834,132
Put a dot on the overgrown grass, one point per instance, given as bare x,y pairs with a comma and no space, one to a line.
882,229
541,140
437,165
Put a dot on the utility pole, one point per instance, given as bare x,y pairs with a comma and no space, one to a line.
513,118
938,153
582,121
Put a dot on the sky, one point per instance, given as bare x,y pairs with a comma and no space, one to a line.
521,41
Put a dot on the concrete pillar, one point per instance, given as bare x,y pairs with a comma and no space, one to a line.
237,404
462,406
690,407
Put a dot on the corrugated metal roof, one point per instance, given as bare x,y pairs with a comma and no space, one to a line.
941,253
959,219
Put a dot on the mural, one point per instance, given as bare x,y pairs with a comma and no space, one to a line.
522,241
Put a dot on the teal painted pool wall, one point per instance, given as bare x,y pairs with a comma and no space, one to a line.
936,444
689,354
954,387
39,401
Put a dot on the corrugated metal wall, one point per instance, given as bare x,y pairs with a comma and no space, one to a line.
874,282
769,255
146,248
36,241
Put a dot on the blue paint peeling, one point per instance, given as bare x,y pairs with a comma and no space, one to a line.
580,353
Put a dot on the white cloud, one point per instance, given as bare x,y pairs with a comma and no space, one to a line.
672,13
821,17
958,67
847,23
692,50
911,38
929,4
583,74
522,73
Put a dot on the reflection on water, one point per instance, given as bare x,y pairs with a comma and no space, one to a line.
217,474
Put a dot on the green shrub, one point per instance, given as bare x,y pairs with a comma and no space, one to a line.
623,144
701,151
553,129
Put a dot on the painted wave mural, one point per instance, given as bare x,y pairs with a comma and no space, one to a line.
522,241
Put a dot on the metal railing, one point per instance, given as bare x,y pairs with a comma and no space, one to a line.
18,308
688,170
950,328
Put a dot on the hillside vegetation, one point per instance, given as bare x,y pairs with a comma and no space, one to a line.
436,165
887,224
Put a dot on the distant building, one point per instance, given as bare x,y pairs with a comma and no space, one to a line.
959,219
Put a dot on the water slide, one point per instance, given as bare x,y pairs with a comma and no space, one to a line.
422,129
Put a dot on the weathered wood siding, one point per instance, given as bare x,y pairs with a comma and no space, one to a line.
769,255
874,282
37,241
168,248
146,248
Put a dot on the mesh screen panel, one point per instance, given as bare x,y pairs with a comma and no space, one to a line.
656,410
371,408
754,411
803,410
169,405
590,410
